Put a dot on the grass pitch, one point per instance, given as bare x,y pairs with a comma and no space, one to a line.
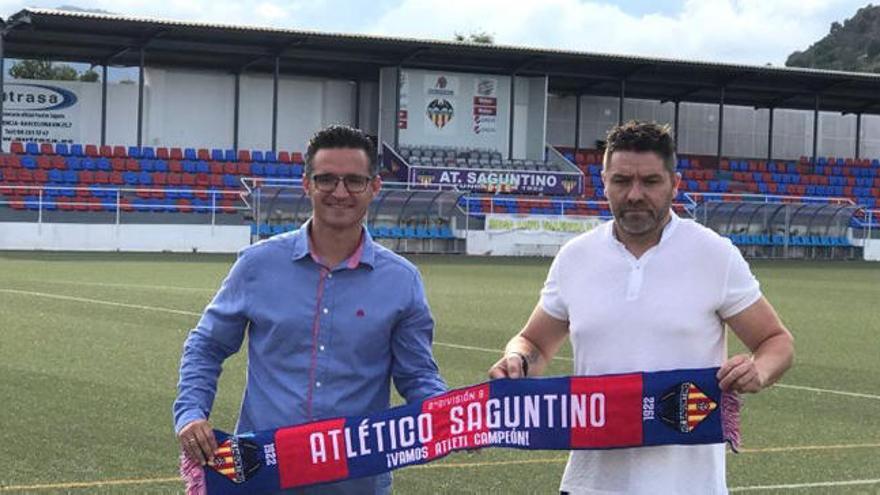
90,343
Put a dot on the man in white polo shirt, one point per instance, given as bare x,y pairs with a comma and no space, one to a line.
647,292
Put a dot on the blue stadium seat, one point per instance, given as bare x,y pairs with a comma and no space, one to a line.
190,154
103,164
229,156
73,163
189,166
56,177
71,177
283,170
88,164
145,179
257,156
217,155
134,152
29,162
270,156
147,165
202,167
130,178
271,170
258,169
160,166
148,152
76,150
32,148
230,180
62,149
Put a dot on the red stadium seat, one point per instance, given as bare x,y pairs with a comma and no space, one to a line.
216,167
44,162
204,154
217,181
118,164
160,178
244,168
41,176
58,162
116,178
106,151
201,194
119,152
176,154
47,149
297,157
202,180
188,180
86,177
162,153
230,168
174,179
102,177
184,206
17,147
132,165
91,150
227,206
175,166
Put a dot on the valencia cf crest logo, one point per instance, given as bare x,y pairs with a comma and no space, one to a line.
237,459
569,185
684,406
440,112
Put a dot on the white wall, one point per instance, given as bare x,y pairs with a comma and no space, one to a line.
123,237
745,128
419,90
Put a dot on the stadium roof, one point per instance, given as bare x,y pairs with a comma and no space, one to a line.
117,40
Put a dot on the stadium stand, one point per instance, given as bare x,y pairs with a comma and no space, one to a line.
85,177
474,158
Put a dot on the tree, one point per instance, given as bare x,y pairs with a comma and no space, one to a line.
479,37
46,70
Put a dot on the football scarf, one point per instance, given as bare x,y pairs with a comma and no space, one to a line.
684,407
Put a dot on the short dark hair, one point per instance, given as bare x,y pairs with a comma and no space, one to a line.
641,137
341,136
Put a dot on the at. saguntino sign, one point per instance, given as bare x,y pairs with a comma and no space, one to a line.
40,111
541,224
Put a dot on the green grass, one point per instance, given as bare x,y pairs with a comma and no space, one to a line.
86,388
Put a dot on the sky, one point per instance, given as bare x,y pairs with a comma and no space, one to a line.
756,32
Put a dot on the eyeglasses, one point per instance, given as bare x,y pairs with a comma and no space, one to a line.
354,183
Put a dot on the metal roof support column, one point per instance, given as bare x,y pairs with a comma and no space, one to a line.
140,115
104,104
675,123
2,80
397,75
510,122
770,136
720,126
620,102
858,135
577,125
236,109
357,105
275,103
816,130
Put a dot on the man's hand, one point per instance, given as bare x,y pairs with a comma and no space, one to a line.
739,374
509,366
197,441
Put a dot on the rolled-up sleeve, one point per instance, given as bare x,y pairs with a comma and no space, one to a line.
413,368
218,335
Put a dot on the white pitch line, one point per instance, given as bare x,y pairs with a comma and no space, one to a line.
98,301
780,385
442,344
797,486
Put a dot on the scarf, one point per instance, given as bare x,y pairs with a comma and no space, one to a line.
684,407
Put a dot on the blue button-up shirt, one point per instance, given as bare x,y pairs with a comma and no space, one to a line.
322,342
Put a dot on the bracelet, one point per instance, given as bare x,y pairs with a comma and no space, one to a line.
524,360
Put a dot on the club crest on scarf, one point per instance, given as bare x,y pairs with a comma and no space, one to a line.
684,406
237,459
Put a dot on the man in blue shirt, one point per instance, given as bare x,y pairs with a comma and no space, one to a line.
331,317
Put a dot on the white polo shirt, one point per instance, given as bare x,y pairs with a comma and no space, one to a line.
662,311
